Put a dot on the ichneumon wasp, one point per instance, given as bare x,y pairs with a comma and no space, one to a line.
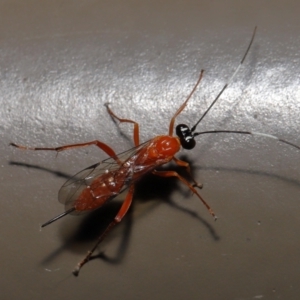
97,184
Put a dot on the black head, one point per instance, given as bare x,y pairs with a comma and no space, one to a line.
186,136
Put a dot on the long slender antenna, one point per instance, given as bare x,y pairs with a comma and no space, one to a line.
251,133
227,83
59,216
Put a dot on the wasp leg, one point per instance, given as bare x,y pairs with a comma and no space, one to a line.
136,129
118,218
186,165
175,174
183,105
109,151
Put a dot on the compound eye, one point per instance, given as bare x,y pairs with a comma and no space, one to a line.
186,137
188,144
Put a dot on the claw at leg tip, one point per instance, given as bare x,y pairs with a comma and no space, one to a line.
76,271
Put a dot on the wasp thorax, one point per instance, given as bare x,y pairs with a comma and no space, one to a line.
186,136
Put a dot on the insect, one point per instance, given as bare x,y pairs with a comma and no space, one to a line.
99,183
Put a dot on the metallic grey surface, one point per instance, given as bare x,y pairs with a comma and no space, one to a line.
60,62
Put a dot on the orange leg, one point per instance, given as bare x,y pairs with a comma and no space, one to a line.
136,130
175,174
118,218
186,165
171,127
109,151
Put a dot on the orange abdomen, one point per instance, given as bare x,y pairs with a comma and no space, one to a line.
101,190
156,152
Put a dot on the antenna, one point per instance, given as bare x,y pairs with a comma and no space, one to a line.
227,83
250,133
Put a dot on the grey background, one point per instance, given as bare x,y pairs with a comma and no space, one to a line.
60,61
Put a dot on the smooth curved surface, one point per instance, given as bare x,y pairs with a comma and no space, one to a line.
61,62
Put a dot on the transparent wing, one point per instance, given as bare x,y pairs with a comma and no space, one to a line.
73,187
123,156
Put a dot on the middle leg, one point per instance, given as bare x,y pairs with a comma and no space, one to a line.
136,130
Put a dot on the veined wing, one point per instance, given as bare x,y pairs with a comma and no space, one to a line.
73,187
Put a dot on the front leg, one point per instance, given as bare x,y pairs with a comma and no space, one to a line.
175,174
186,165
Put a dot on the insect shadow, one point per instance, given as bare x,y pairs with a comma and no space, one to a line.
149,188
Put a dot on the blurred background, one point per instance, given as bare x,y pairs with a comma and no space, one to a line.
61,61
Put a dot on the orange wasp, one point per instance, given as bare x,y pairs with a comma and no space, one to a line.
96,185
